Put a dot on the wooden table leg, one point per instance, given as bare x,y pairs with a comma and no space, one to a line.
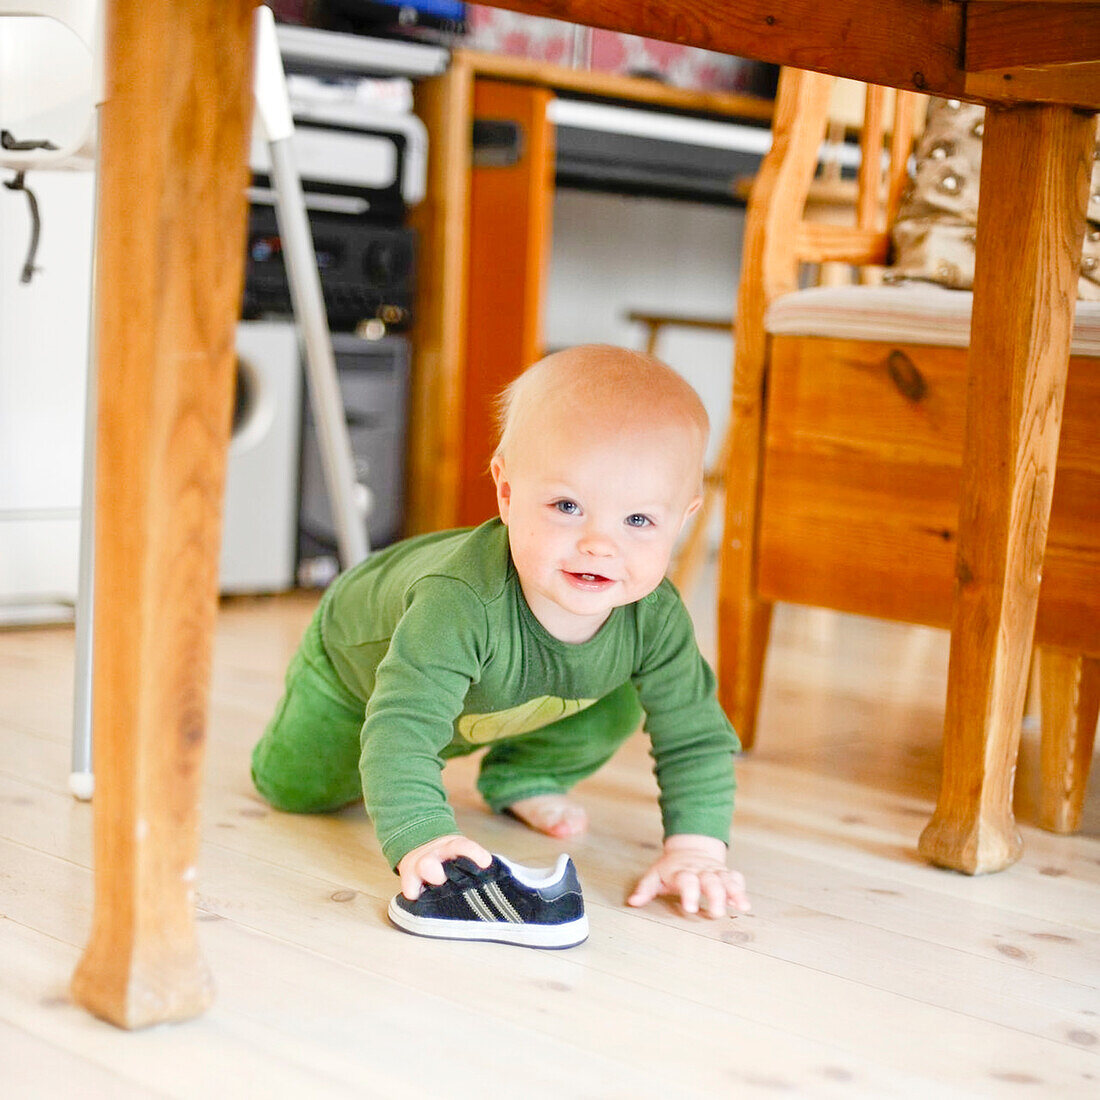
169,264
1034,189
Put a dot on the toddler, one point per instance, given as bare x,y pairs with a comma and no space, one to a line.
543,637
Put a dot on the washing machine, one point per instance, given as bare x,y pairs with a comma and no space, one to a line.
260,523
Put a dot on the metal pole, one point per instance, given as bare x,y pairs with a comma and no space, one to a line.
308,302
81,776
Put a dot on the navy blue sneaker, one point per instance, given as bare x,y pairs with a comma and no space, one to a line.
504,902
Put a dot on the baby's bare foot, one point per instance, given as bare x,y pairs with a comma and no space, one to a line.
552,814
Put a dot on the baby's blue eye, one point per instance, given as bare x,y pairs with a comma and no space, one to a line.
567,507
638,520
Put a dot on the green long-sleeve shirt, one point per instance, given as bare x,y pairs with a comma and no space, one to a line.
436,638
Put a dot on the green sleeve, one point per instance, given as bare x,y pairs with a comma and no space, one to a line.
691,739
436,652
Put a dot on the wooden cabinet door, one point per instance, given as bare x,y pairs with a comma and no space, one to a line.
511,203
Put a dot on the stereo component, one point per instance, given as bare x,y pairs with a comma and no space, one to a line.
367,271
374,382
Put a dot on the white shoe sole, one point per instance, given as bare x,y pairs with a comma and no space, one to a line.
522,935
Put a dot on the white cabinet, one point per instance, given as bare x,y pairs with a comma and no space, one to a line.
43,367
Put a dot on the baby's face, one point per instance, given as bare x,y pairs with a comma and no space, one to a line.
593,517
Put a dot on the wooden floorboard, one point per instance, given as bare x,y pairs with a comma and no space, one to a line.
861,971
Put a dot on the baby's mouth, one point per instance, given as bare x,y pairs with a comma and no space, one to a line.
588,579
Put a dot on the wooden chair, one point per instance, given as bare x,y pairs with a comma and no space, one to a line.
844,465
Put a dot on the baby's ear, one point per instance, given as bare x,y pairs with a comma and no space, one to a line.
692,508
504,489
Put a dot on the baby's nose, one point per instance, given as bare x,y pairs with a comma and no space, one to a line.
597,544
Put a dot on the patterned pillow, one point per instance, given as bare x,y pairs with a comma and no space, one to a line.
934,233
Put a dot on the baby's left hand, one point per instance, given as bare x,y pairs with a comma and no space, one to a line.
694,867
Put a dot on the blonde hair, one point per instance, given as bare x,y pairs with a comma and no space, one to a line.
633,388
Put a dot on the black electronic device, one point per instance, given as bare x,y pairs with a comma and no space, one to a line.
374,385
367,270
424,19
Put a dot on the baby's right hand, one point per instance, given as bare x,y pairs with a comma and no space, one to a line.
424,865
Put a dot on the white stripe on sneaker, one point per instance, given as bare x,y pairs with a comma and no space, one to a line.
475,901
494,893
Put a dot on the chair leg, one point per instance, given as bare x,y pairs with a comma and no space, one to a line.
744,621
743,629
1070,691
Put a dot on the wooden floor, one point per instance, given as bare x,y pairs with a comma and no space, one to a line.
860,971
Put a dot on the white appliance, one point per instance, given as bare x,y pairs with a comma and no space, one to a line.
260,524
43,372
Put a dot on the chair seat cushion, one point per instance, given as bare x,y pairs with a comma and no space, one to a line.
906,313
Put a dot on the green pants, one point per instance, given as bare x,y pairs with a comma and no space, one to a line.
308,758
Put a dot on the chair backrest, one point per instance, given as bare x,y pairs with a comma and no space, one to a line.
64,87
781,236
